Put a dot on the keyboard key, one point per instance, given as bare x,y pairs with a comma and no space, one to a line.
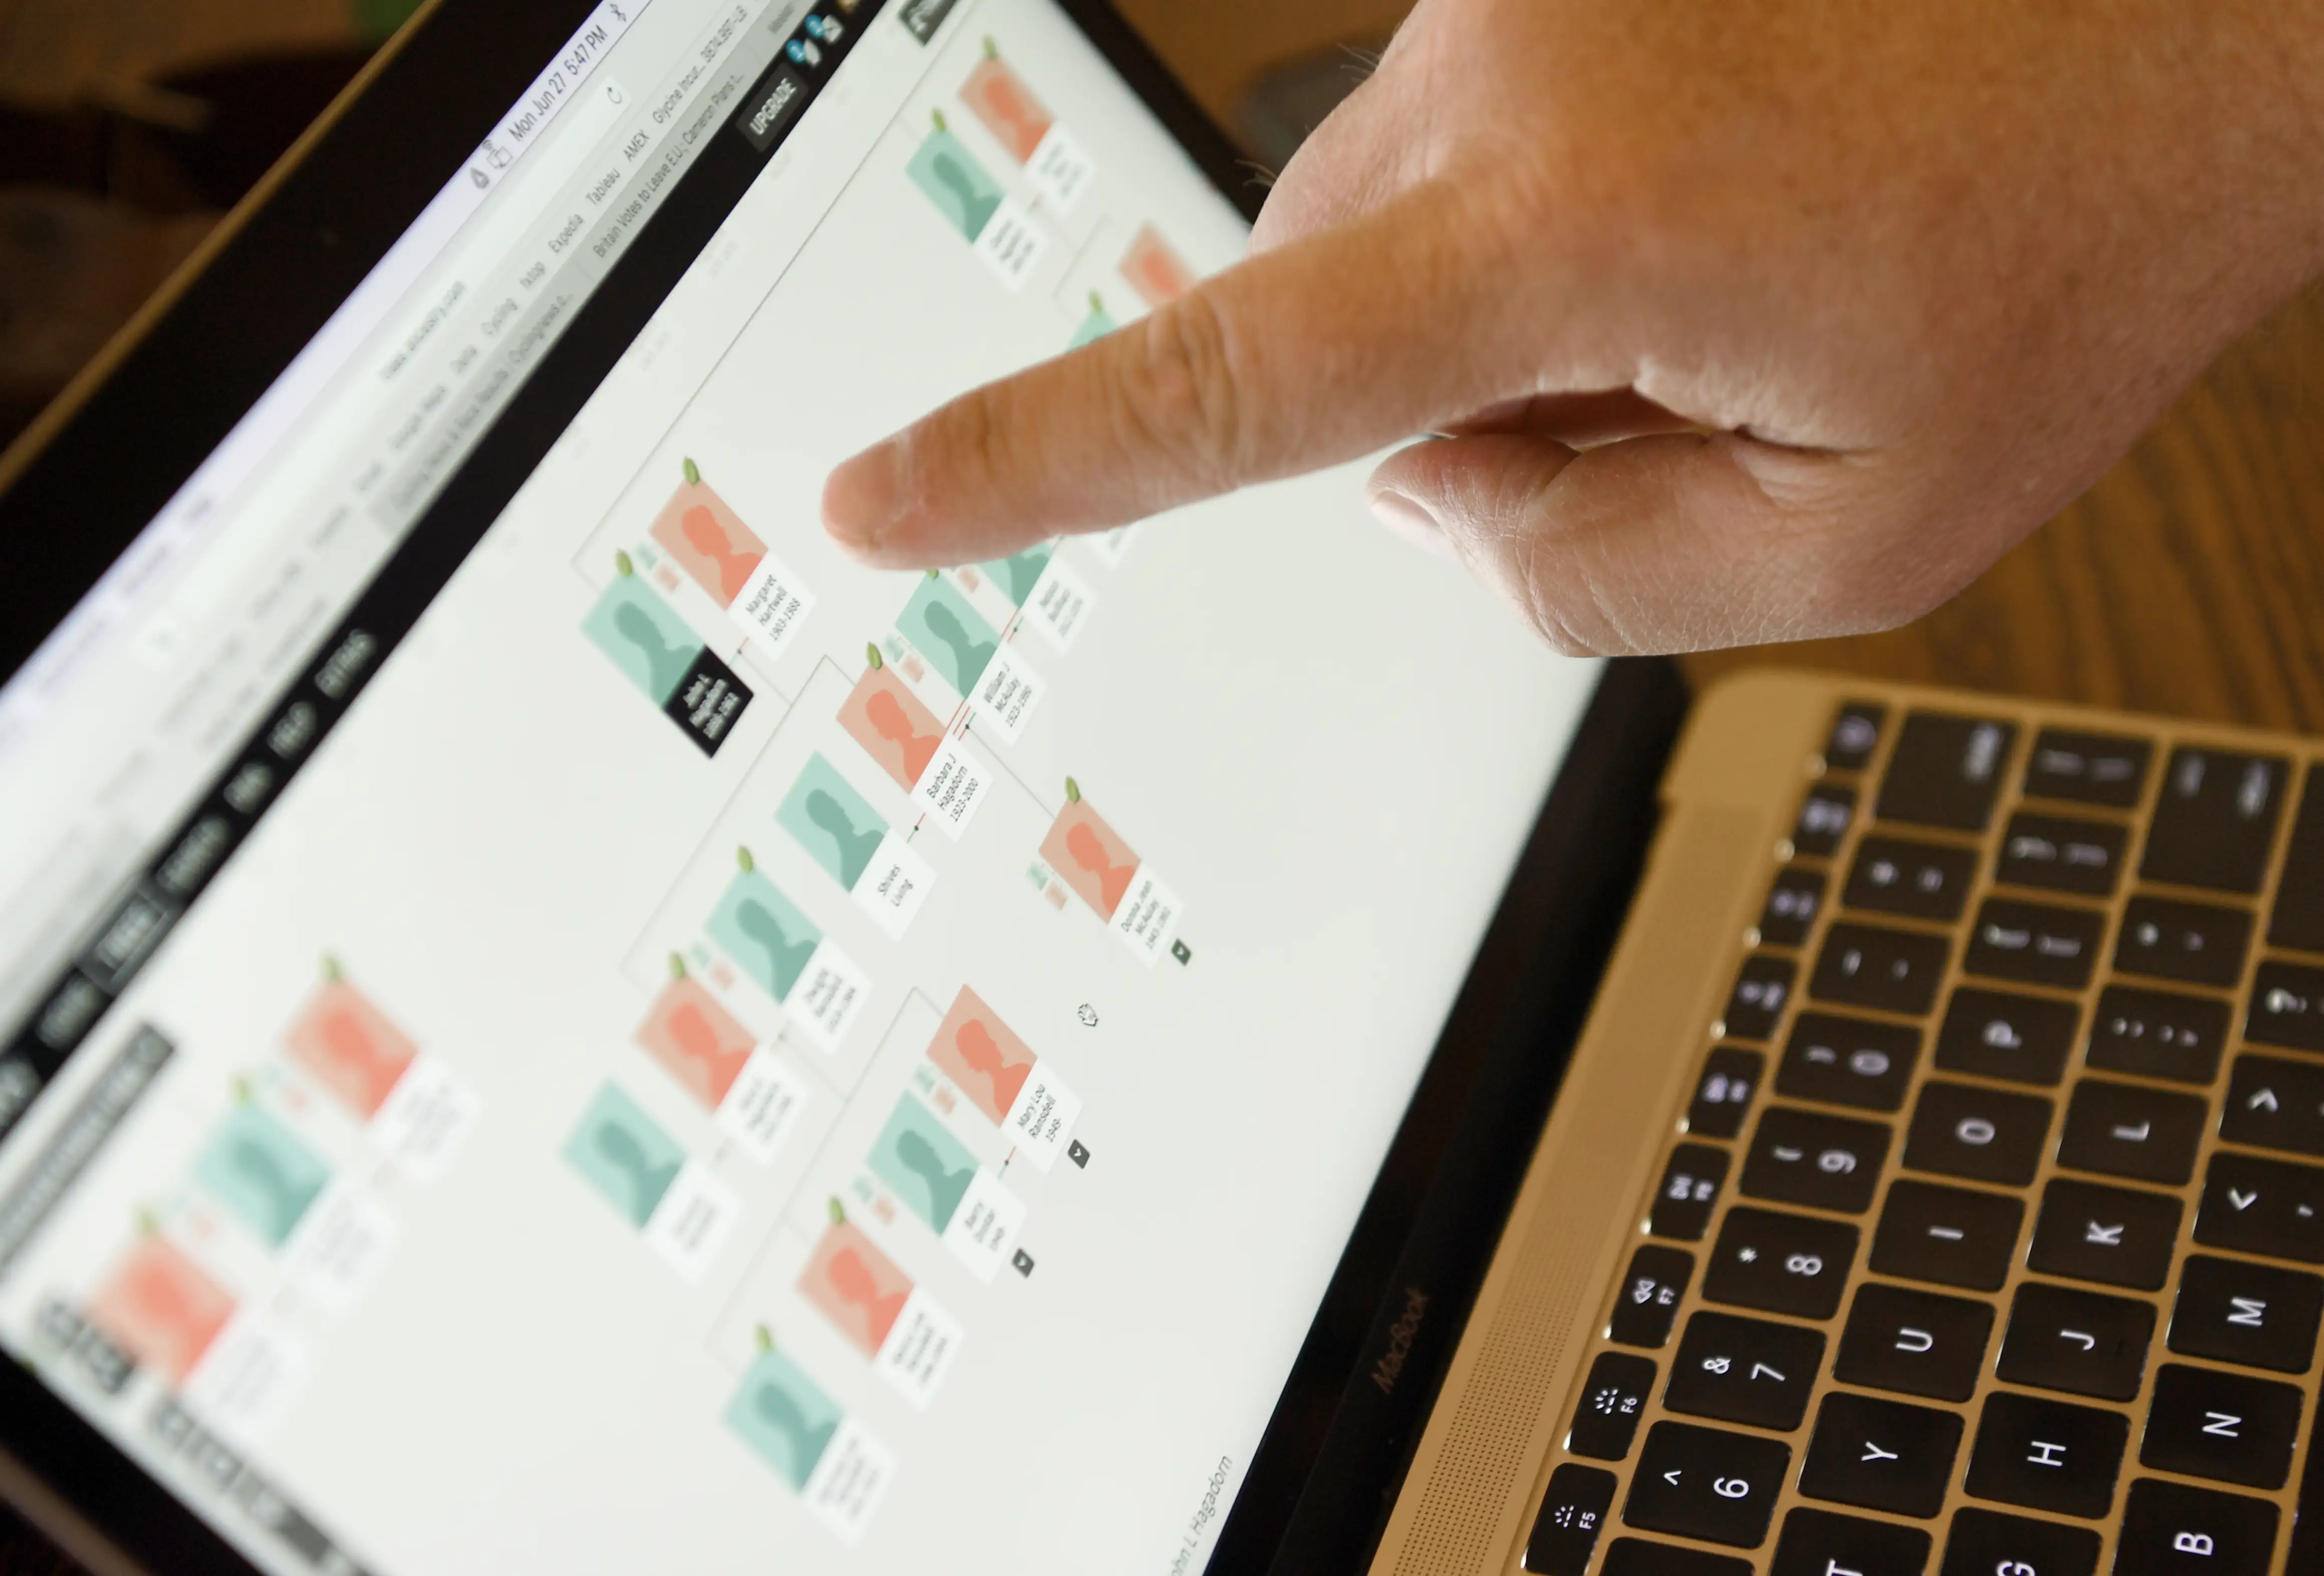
1639,1557
1985,1134
2232,1428
1780,1263
2250,1313
1925,881
2199,943
2287,1006
2062,854
1945,770
1999,1033
2174,1529
1881,1455
2047,1455
1649,1299
1826,1163
2079,1342
2110,1235
1689,1192
1762,987
2299,919
2122,1130
1895,972
2276,1104
1950,1236
2087,768
1848,1061
1855,735
2035,944
2158,1033
1824,817
1572,1512
1731,1076
1917,1343
1818,1543
1986,1543
1745,1370
2270,1207
1613,1398
1707,1484
1792,904
2214,823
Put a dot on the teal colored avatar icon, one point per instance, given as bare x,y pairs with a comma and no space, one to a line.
257,1168
955,183
923,1163
767,937
1019,574
622,1154
832,822
784,1416
952,634
644,637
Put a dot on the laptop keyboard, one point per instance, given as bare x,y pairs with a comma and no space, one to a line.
1991,1243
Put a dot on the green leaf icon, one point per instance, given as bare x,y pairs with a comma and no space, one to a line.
1073,792
838,1213
676,967
331,970
623,566
1097,301
932,574
742,858
992,50
764,1337
938,115
693,474
148,1223
242,1092
872,651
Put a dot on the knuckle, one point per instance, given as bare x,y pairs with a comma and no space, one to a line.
1181,397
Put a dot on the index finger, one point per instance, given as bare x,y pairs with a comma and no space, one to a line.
1306,356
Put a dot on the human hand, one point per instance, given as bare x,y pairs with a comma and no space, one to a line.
1744,323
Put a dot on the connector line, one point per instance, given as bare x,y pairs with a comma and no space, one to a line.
808,1173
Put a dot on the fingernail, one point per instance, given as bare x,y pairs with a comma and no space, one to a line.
1408,518
865,498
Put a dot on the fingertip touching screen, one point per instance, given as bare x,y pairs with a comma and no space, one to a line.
557,1023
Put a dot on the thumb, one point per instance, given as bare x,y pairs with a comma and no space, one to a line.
1677,542
1314,353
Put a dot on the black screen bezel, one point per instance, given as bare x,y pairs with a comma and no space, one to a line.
1316,1491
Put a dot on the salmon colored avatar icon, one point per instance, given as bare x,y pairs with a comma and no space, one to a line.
348,1046
1089,853
708,540
1090,858
697,1041
982,1054
733,568
893,726
886,715
853,1279
161,1309
1006,108
855,1286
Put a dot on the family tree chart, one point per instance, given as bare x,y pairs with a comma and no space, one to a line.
901,1126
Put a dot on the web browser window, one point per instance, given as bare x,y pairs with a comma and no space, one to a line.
603,1036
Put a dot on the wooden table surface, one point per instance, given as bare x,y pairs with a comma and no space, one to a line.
2189,581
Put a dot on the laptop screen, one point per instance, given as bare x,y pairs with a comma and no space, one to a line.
555,1023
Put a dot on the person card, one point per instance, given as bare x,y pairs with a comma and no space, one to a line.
706,539
1060,168
1090,855
952,634
349,1047
1154,270
339,1248
766,936
681,1211
949,176
843,834
247,1378
896,730
1059,604
1001,1077
662,655
1006,695
928,1169
423,1118
985,1227
910,1339
161,1308
697,1041
256,1167
838,1469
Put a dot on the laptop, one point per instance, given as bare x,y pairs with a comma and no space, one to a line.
549,1022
